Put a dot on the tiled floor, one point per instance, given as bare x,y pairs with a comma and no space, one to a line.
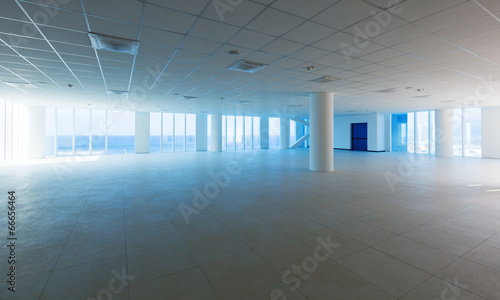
237,225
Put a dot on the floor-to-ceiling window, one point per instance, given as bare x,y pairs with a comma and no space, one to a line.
457,132
231,132
168,132
472,132
209,132
274,133
155,128
121,132
422,132
432,130
256,132
411,133
248,133
240,131
82,132
99,131
224,133
65,130
190,132
180,132
50,131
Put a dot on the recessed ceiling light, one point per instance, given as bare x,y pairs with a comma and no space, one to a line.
246,66
233,52
115,44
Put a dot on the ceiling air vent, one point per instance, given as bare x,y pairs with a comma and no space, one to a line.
189,97
116,92
21,85
325,79
246,66
115,44
387,91
422,97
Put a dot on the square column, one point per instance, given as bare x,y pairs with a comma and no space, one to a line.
201,133
444,132
142,132
216,133
285,133
264,133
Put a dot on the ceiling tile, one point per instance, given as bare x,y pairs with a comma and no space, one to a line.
345,13
416,10
214,31
200,45
304,9
238,15
308,33
166,19
274,22
251,39
161,37
113,28
121,10
282,47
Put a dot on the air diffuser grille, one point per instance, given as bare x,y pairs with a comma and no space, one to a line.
246,66
115,44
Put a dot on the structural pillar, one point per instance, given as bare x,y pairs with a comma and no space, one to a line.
142,132
444,132
284,133
201,133
35,141
216,133
264,133
321,138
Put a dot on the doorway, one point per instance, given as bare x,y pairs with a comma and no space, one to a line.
359,133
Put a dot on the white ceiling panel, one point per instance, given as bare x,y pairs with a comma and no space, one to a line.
308,33
251,39
345,13
213,30
167,19
274,22
129,11
238,15
304,9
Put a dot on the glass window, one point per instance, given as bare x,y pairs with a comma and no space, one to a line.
82,132
99,125
190,132
411,133
239,133
168,132
224,133
15,130
121,132
180,130
248,132
50,130
65,128
472,138
422,133
231,133
293,132
2,130
432,122
274,133
457,132
256,132
154,132
209,132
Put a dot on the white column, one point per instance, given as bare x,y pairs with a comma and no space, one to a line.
142,132
490,122
444,132
216,130
284,133
264,133
321,139
36,132
201,133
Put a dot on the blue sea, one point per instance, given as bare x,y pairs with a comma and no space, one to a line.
116,144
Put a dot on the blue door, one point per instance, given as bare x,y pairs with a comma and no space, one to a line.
359,133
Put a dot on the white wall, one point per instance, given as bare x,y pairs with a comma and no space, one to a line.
376,131
142,132
490,127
